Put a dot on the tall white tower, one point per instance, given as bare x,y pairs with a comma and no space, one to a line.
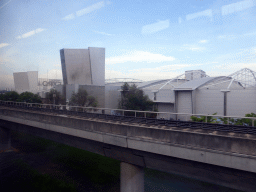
26,81
83,66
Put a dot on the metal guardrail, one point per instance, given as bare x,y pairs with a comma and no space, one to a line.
147,117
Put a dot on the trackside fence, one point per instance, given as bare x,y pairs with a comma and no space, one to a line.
149,117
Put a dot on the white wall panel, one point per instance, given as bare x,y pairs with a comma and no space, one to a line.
166,107
209,102
165,95
241,102
78,67
83,66
112,96
33,81
70,89
97,59
184,103
21,82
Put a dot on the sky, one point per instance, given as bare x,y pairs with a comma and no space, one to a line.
143,39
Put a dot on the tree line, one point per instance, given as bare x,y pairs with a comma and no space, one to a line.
225,120
132,98
81,98
27,97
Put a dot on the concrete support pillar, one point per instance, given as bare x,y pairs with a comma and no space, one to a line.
225,104
5,139
176,104
132,178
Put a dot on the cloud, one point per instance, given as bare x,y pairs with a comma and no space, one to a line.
231,37
9,58
57,65
207,13
192,48
146,74
52,74
235,7
31,33
247,55
166,68
180,20
203,41
227,37
5,4
69,17
155,27
142,75
3,45
90,9
235,66
139,56
103,33
249,34
229,68
6,81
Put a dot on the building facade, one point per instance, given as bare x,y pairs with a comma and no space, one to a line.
83,66
26,81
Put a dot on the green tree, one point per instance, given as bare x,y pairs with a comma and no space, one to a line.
247,122
133,98
29,97
225,120
10,96
59,99
210,119
81,98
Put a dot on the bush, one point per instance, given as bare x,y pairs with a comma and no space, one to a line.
59,99
81,98
29,97
134,98
225,120
10,96
210,119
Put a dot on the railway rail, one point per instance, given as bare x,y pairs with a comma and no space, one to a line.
100,114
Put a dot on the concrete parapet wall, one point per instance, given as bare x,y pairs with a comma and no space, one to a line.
157,147
136,135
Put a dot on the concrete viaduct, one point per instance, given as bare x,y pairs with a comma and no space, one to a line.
227,159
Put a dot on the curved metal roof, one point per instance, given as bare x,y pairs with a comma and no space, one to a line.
194,84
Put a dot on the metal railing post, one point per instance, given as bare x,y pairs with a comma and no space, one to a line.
253,122
228,120
206,118
145,114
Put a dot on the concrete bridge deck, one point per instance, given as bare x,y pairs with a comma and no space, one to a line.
228,159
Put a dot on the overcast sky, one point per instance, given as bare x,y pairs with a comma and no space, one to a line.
143,39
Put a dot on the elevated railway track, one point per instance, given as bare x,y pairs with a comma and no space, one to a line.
100,114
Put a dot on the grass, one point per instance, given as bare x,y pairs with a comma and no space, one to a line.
98,169
27,179
93,171
98,172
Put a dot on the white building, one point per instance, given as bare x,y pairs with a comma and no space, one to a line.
26,81
83,66
196,93
85,69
